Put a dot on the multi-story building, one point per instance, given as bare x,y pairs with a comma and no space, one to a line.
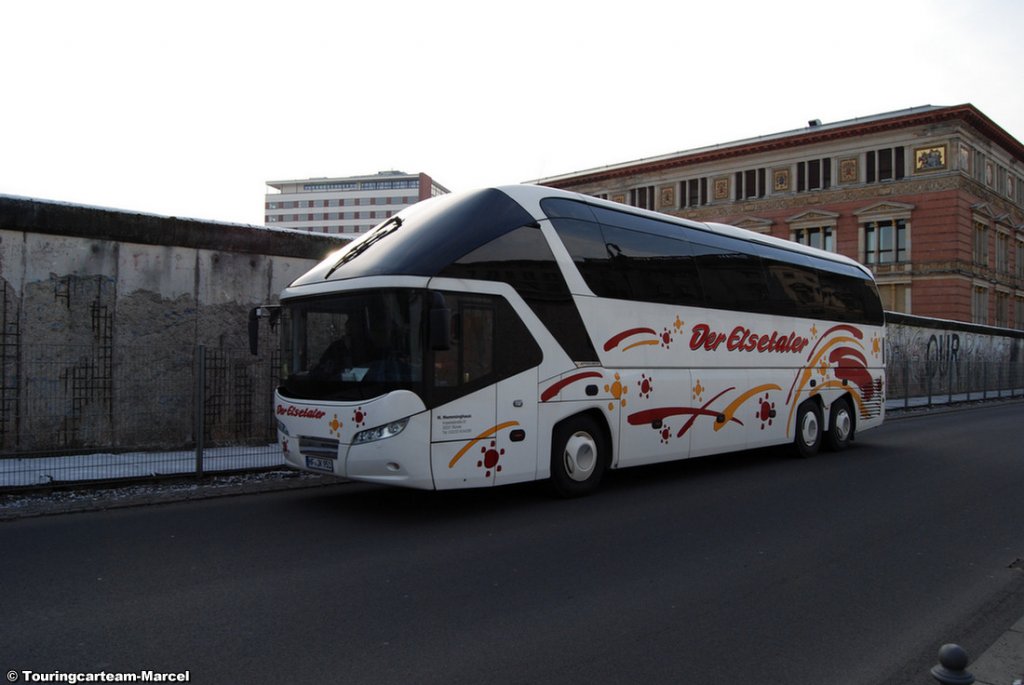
349,205
931,198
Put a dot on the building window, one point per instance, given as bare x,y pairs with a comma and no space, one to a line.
885,242
886,164
1019,313
1020,259
750,184
1002,253
821,237
979,305
980,244
815,174
1002,305
895,297
642,197
694,192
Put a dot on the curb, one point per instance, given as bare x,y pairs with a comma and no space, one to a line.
72,500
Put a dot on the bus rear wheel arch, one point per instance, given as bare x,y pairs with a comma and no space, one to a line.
580,454
808,429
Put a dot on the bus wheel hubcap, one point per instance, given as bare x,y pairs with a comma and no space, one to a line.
809,430
580,456
843,424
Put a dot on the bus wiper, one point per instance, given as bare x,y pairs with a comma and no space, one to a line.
381,232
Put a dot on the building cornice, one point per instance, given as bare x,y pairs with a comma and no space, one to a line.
924,116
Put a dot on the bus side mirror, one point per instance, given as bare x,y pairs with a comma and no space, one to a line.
440,324
267,311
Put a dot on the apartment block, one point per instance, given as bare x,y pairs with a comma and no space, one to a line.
345,205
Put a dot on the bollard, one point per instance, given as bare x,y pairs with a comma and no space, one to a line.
951,669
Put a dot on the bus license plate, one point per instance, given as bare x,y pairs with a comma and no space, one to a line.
320,464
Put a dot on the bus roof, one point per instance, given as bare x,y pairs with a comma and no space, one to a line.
536,193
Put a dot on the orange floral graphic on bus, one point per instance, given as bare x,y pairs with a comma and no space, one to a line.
618,391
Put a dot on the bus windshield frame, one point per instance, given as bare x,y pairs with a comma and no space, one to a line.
355,345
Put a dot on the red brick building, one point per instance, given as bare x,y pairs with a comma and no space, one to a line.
932,198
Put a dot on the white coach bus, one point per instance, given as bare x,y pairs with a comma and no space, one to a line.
522,333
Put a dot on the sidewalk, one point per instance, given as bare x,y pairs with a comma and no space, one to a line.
1003,662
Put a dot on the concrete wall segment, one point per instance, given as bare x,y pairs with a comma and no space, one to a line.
54,218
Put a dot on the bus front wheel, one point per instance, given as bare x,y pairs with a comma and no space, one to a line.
808,429
579,456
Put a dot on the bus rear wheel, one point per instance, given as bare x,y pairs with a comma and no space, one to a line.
808,429
579,456
840,425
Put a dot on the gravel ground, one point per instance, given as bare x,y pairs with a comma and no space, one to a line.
77,498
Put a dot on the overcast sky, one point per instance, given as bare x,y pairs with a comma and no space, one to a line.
187,108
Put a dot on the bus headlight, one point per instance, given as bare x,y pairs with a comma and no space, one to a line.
388,430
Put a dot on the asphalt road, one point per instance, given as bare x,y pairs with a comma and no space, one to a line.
750,568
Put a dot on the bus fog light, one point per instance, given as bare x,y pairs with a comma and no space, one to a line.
388,430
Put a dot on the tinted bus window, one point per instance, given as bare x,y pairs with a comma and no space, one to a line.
849,299
656,269
489,342
629,256
793,290
523,259
585,243
731,279
557,208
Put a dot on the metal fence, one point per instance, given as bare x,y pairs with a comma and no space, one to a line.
929,383
96,413
93,413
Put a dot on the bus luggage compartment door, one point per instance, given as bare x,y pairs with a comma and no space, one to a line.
514,448
461,432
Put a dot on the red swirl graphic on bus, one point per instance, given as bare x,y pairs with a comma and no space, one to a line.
556,388
614,341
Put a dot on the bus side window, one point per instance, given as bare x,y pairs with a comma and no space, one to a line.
793,290
657,268
489,343
843,298
586,245
731,280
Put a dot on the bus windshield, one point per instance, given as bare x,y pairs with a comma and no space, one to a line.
353,346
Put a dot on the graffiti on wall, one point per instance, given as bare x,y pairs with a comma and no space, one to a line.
946,357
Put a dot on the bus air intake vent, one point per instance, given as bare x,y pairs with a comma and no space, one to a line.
318,447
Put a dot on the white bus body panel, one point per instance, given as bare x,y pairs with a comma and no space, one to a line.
703,381
323,432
